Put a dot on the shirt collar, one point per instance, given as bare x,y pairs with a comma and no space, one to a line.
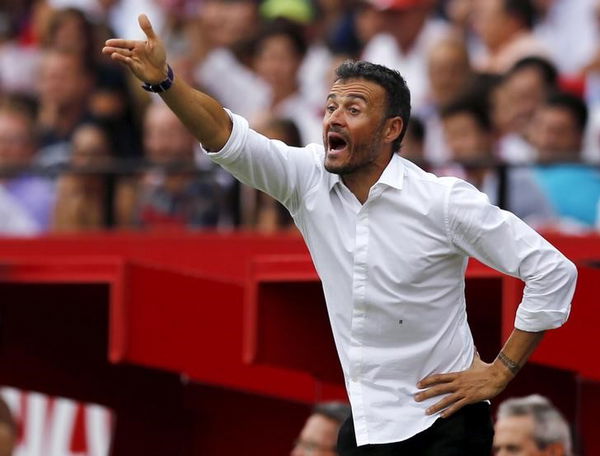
392,176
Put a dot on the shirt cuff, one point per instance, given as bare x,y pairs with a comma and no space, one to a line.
234,144
535,321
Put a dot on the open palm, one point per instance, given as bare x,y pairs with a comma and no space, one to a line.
146,59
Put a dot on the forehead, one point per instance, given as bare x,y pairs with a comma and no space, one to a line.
514,428
370,91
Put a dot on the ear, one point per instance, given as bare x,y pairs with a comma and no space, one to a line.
393,129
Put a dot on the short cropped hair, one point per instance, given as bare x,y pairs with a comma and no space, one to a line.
398,94
475,107
544,67
549,425
337,411
524,10
572,103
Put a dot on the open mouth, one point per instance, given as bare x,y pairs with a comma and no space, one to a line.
336,142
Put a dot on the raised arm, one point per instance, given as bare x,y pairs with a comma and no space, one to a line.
147,60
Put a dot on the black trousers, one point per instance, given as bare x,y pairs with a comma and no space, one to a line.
469,432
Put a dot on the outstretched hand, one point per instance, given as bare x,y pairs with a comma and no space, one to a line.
480,382
146,59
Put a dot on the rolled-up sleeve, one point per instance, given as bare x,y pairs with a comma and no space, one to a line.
269,165
504,242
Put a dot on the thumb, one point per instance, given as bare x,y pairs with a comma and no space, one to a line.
146,26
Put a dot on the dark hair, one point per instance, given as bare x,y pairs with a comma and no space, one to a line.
337,411
289,128
416,128
476,107
287,28
521,9
572,103
398,95
543,66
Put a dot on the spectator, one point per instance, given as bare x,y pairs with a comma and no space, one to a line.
170,195
8,430
522,90
531,426
557,134
414,142
33,194
449,74
259,210
280,50
66,82
505,27
81,194
470,136
409,34
319,434
568,30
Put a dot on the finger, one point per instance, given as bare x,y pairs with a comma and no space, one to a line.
121,58
120,43
444,403
110,50
435,379
454,408
146,26
435,391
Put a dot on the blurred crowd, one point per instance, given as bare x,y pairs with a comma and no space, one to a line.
505,94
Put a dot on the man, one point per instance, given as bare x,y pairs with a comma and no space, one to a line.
171,194
408,33
531,426
470,137
523,89
390,243
573,188
320,432
32,195
505,27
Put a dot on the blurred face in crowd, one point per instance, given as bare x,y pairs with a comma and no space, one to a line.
514,437
466,139
228,22
460,11
555,134
448,69
63,80
166,140
406,23
368,22
16,140
318,437
520,95
69,32
491,23
90,147
277,62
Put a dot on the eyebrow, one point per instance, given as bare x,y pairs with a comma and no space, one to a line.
350,95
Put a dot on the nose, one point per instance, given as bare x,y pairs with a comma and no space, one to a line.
335,118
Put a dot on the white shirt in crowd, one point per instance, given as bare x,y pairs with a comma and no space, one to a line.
393,270
383,49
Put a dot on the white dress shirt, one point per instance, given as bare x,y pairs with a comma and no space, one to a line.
393,271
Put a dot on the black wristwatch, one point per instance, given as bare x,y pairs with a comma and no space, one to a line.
161,86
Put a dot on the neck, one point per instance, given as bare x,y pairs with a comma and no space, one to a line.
359,182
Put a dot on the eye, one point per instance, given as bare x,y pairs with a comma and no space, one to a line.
354,111
330,108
